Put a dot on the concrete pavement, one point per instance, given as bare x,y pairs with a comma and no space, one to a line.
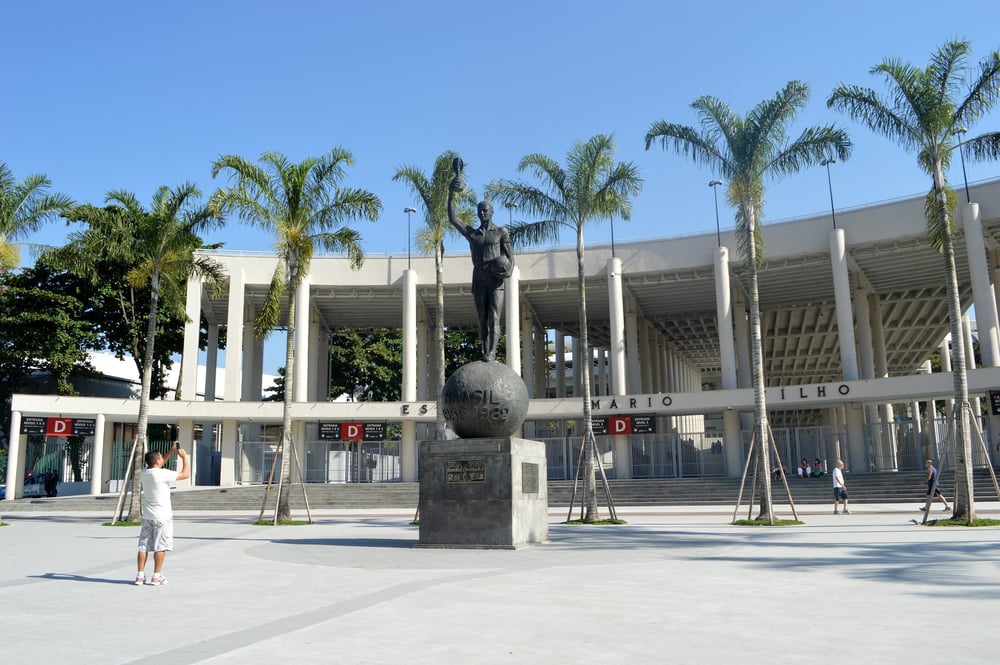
675,584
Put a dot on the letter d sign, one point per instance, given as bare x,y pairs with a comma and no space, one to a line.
620,425
351,431
58,427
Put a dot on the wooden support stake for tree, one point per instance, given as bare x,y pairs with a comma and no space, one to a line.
784,479
743,478
121,493
267,489
576,480
302,482
986,451
604,479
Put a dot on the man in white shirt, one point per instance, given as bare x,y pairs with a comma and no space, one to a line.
839,488
157,532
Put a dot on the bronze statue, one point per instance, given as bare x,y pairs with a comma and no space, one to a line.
492,262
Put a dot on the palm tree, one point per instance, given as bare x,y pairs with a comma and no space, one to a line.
744,151
158,244
591,188
923,111
433,194
24,206
306,208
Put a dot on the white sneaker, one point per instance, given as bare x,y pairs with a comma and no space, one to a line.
158,580
140,579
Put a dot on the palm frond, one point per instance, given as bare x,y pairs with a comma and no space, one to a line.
983,92
984,147
524,234
940,217
270,310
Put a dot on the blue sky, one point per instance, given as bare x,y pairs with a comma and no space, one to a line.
133,95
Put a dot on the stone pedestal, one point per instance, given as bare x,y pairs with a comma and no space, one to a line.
483,493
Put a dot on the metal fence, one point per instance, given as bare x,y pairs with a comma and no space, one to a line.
888,447
325,462
120,451
70,459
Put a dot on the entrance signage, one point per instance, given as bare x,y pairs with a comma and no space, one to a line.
623,425
352,431
84,426
40,426
33,425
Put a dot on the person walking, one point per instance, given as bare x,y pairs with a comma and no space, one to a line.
932,486
839,488
156,534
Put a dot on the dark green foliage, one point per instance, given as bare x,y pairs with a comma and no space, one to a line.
366,364
40,332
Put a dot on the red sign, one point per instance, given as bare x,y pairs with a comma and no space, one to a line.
619,425
352,431
59,427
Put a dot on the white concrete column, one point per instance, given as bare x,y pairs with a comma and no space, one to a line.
97,456
646,364
741,334
842,298
560,364
233,390
424,352
886,439
633,363
527,347
866,366
970,361
408,435
211,362
512,296
541,359
185,434
944,352
724,318
303,309
192,329
617,353
982,294
579,367
863,316
253,362
228,461
727,359
15,458
602,370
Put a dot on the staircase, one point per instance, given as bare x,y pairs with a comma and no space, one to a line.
905,487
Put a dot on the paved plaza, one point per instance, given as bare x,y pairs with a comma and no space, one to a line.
676,585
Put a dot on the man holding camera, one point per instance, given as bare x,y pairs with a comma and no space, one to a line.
157,532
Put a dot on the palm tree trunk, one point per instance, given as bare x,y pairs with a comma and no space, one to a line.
284,512
762,432
964,503
142,423
583,363
439,421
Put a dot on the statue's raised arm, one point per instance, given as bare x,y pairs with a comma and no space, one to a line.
456,186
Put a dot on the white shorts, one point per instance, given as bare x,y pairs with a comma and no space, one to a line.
156,536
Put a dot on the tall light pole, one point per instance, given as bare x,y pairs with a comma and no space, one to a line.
961,153
718,231
829,184
408,210
510,212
